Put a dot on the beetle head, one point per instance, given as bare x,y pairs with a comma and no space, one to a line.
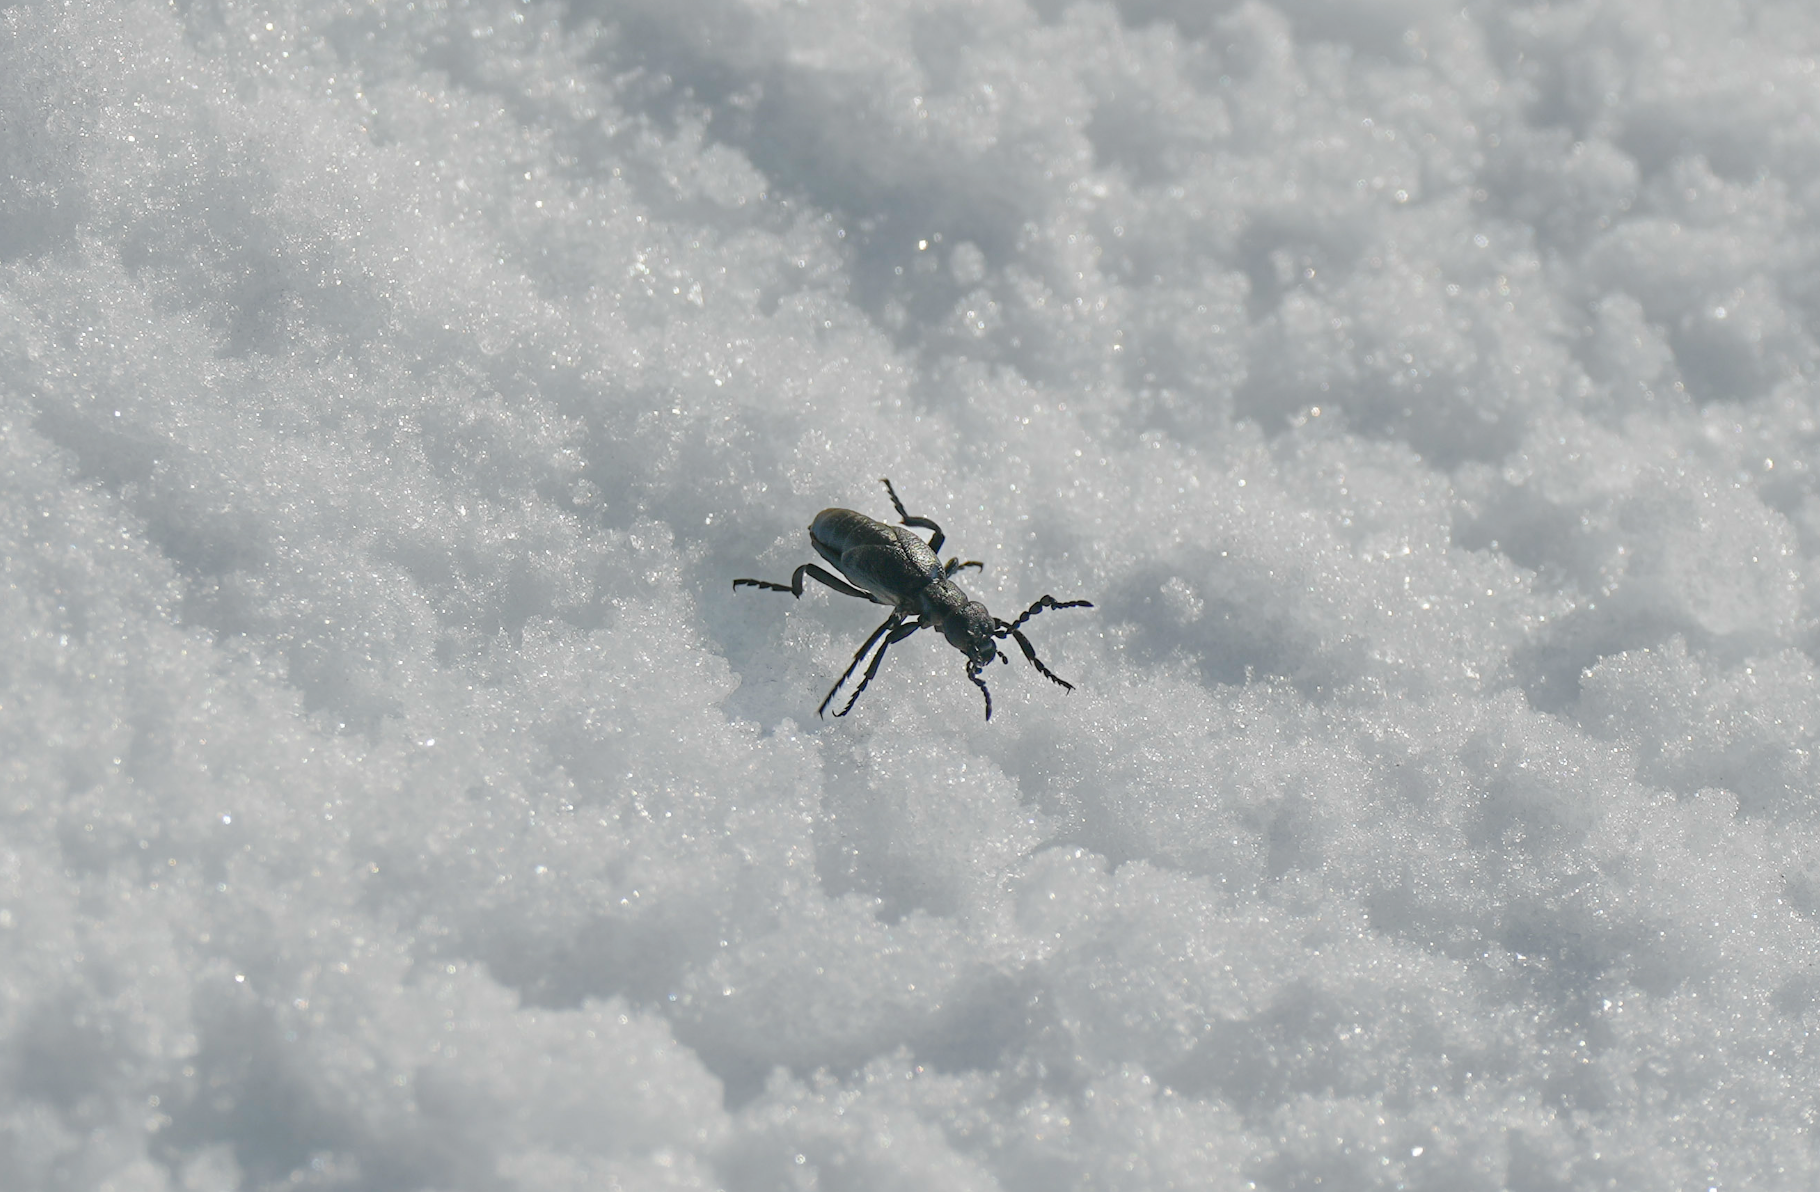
970,630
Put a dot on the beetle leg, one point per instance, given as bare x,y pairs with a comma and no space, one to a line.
896,635
795,586
955,565
922,523
890,622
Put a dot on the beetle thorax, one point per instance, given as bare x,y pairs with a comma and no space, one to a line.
964,621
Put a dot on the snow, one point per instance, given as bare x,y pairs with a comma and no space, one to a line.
394,793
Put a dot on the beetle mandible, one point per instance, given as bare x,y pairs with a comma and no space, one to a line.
890,565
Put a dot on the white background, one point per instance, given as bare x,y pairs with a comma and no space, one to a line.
394,794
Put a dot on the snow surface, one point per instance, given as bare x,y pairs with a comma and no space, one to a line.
395,794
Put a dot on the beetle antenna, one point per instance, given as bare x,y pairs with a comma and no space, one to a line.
1039,606
973,673
1030,653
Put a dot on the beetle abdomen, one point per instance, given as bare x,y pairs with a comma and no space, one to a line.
891,563
834,531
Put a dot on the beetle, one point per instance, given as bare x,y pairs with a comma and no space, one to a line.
888,564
